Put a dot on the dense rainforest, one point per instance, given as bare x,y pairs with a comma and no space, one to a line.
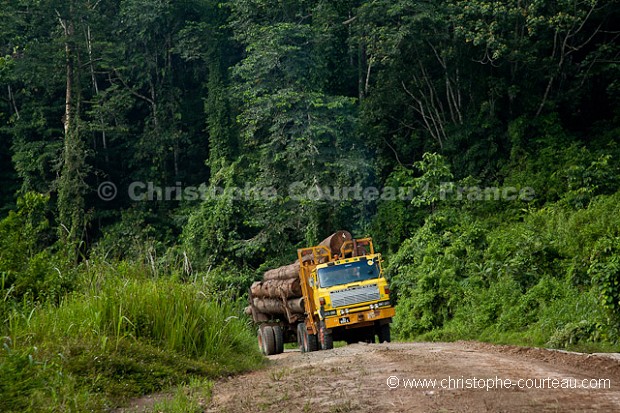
159,155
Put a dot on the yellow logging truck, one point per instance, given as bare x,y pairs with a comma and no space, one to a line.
344,296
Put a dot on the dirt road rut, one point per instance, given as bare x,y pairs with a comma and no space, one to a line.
460,377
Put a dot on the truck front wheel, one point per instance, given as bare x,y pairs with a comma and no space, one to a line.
309,342
325,337
312,342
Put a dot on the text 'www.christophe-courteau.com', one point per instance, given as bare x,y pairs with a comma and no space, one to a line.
495,383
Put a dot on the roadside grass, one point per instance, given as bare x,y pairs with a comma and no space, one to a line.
119,338
552,314
191,398
294,346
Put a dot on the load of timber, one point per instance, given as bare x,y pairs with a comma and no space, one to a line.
279,295
333,243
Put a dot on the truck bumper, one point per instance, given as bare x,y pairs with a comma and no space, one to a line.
361,317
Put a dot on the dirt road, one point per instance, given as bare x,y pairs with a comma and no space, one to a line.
382,378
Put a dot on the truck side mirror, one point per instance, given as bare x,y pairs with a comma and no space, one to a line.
311,282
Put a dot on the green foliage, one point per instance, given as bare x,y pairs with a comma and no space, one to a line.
29,272
429,271
228,280
435,180
605,272
295,136
119,338
550,279
172,316
578,173
214,231
589,177
428,184
28,381
24,230
71,187
122,239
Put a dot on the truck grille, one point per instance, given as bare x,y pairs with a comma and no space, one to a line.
354,295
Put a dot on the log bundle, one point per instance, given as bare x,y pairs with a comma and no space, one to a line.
285,272
276,288
276,306
279,293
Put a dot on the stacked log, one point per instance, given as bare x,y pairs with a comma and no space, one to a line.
276,306
285,272
276,288
279,293
334,242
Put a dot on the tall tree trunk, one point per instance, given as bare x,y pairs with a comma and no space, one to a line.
68,118
93,78
70,183
221,142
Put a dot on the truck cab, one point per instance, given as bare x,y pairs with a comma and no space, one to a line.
352,288
346,296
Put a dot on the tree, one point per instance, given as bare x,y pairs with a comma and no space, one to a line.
299,132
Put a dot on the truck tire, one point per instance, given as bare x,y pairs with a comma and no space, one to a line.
279,339
384,333
259,336
309,342
300,336
313,342
267,340
325,337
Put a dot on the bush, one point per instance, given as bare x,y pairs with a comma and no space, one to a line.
28,270
550,278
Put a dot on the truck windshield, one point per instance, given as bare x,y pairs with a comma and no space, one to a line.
348,273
